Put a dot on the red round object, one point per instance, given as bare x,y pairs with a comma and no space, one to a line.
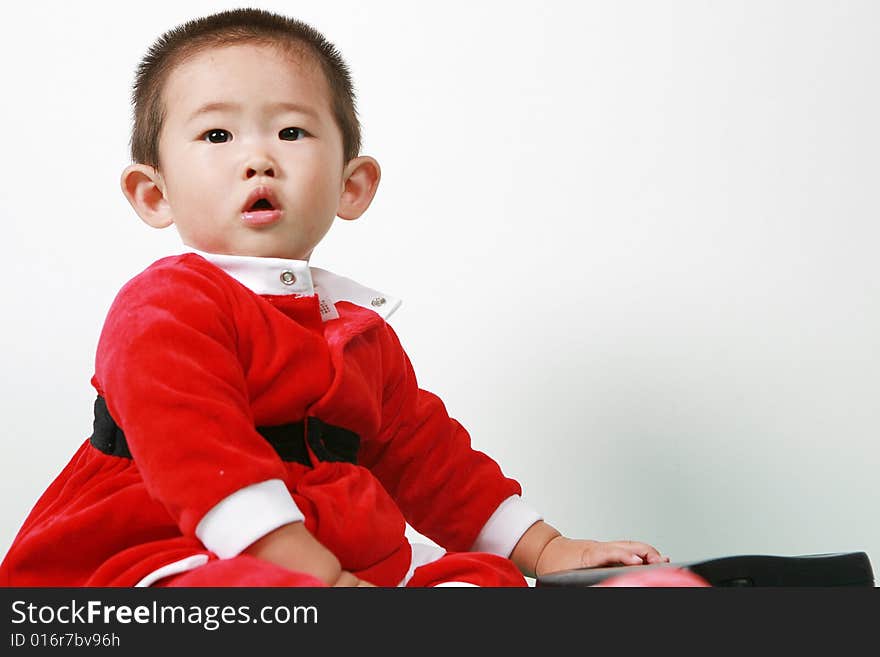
656,577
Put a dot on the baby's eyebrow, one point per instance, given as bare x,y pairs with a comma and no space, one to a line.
271,108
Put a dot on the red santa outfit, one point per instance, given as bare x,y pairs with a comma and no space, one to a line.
239,394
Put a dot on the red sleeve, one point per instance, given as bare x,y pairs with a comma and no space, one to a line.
446,489
168,368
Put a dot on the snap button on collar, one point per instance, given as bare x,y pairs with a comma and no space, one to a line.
288,277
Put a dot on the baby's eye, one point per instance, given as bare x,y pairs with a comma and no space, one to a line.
216,136
292,134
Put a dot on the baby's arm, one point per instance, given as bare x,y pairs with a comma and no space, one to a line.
542,549
292,546
447,489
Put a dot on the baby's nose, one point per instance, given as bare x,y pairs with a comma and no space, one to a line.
260,171
259,167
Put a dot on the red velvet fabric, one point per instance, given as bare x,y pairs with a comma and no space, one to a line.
243,571
240,571
475,568
189,363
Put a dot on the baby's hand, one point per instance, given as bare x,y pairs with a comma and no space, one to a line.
563,553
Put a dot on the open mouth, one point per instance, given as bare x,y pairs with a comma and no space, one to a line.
261,198
261,207
262,204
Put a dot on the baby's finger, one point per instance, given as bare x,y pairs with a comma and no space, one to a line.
655,558
648,552
614,554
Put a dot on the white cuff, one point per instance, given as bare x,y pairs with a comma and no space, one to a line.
505,527
246,516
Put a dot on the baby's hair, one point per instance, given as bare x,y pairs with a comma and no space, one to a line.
231,28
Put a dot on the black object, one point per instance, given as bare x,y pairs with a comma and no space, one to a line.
328,443
833,569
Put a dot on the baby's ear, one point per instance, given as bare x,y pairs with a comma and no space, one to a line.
145,190
359,182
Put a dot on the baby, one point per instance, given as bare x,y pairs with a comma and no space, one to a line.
257,421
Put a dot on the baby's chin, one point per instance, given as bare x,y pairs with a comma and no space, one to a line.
253,251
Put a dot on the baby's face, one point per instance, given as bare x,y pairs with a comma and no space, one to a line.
245,123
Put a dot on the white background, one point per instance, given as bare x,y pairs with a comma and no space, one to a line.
636,243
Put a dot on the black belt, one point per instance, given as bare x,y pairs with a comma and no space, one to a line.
328,443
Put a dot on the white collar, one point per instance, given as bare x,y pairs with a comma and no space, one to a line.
279,276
